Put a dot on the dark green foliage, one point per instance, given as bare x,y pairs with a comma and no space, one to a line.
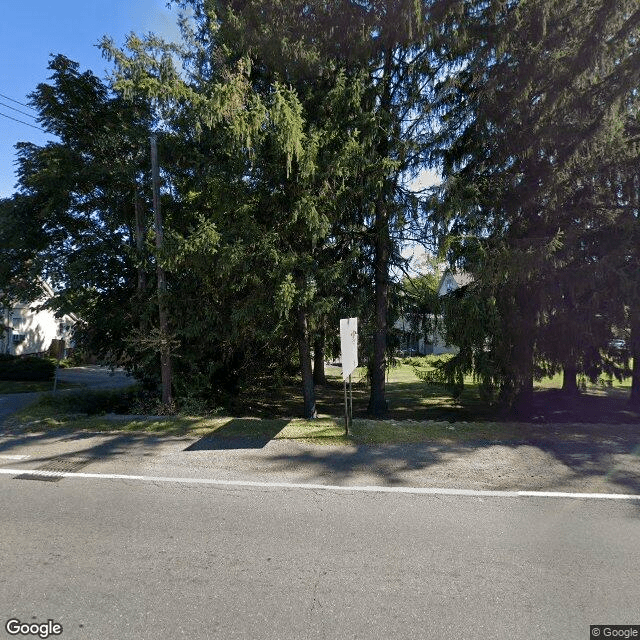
534,111
92,402
288,135
73,220
26,368
294,150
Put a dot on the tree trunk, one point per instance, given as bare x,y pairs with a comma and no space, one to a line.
523,353
635,354
377,400
308,392
569,379
524,398
318,358
165,358
140,235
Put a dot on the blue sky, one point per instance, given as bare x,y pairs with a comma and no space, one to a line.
32,30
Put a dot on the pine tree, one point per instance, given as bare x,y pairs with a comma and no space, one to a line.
275,75
534,94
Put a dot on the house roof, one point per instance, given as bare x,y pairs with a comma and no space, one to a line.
461,278
48,292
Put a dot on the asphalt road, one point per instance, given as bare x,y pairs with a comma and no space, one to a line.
137,559
165,537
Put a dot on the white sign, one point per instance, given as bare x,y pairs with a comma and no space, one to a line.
349,345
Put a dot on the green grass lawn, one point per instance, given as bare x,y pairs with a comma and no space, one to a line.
418,412
325,430
407,397
322,431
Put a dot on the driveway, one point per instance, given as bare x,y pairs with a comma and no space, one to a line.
91,376
12,402
96,377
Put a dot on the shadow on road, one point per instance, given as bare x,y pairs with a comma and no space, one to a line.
109,447
530,466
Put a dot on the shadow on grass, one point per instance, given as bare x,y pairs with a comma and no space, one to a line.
420,401
240,434
406,400
609,406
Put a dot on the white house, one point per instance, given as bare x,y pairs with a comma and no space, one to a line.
412,341
451,281
28,330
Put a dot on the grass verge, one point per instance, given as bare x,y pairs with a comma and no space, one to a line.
419,413
27,386
325,430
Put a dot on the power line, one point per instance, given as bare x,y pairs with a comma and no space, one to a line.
24,113
4,115
17,102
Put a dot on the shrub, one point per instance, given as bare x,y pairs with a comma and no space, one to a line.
29,368
92,402
430,368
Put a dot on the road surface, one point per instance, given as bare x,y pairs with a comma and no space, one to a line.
138,536
145,558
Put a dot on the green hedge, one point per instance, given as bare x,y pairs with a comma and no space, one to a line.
29,368
93,401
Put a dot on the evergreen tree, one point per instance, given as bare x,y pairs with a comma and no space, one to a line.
534,94
278,83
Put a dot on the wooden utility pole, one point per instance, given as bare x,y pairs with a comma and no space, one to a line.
165,358
140,235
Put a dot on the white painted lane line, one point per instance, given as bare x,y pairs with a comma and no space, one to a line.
14,456
440,491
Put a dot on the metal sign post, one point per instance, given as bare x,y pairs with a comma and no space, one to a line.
350,400
346,410
349,349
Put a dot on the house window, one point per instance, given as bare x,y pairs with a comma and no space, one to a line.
18,321
18,338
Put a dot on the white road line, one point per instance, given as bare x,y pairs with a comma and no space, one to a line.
438,491
13,456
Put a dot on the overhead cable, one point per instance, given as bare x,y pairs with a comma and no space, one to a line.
17,101
24,113
4,115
